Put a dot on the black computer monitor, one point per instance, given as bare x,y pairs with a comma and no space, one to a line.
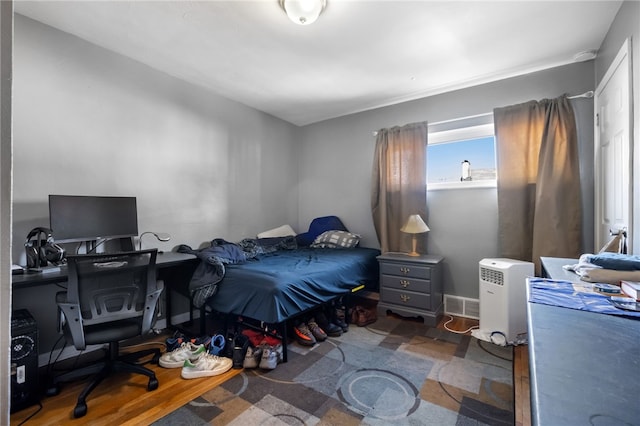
81,218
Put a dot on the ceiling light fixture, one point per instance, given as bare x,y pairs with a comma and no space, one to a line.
303,12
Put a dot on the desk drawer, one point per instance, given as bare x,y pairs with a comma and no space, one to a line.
406,298
405,270
406,283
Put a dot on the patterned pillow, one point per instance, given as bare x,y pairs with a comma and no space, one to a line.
336,239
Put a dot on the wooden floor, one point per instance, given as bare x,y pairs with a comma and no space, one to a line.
121,401
127,402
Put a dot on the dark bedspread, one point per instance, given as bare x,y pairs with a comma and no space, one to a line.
278,285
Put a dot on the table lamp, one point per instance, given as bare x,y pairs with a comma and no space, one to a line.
415,225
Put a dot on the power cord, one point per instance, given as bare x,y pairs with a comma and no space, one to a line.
32,415
457,331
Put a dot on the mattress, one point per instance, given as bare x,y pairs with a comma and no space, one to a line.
276,286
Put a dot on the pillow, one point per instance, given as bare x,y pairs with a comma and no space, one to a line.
281,231
318,226
336,239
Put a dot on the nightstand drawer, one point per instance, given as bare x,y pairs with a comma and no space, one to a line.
406,298
405,270
406,283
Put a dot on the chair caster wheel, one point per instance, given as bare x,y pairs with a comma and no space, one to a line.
153,384
53,390
80,410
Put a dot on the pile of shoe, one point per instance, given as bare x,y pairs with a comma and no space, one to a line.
195,360
264,351
264,355
318,327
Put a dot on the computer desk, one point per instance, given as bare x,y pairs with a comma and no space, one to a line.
164,260
35,291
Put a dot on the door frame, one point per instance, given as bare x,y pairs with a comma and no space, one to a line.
624,54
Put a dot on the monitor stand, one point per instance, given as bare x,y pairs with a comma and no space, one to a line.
126,244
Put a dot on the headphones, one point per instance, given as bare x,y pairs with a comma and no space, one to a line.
41,249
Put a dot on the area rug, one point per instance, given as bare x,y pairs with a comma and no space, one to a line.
393,371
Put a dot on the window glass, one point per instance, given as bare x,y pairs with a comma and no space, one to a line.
463,155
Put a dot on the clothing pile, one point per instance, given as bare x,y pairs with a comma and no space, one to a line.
607,267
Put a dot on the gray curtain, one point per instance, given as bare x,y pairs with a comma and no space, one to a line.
539,202
399,184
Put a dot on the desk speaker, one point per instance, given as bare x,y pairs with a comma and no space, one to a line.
24,360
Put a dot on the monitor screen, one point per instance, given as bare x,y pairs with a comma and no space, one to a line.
76,218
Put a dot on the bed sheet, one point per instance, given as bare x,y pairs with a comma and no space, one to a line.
275,286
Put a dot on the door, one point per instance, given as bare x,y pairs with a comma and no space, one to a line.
613,162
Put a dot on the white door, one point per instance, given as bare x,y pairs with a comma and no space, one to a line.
613,192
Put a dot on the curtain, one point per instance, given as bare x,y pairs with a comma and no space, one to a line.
539,202
399,183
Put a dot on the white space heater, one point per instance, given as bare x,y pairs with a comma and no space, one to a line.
503,300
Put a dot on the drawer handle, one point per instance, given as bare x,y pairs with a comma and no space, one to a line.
405,298
405,270
405,283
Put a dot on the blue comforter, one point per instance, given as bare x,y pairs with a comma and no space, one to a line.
276,286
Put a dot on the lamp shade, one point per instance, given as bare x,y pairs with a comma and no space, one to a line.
415,225
303,12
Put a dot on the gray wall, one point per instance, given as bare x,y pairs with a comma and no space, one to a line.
89,121
336,161
627,25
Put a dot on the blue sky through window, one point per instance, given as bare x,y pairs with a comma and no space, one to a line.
444,160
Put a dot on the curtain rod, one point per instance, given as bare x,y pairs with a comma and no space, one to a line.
588,94
486,114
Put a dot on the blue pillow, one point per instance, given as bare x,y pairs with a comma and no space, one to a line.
318,226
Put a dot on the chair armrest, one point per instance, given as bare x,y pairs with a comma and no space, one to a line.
73,321
151,303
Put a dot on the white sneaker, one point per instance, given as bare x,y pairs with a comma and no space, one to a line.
206,365
271,357
177,357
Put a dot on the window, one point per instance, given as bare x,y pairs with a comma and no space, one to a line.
455,142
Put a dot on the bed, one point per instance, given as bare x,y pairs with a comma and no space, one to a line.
277,286
274,278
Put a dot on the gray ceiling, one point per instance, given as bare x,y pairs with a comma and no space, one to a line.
359,55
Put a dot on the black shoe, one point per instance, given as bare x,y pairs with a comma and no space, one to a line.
340,319
329,328
240,346
227,352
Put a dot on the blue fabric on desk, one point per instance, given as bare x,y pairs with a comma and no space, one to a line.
562,293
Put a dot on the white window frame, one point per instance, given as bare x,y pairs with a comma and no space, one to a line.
460,130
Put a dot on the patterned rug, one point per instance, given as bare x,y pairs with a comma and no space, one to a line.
393,371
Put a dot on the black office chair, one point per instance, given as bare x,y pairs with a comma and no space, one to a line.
109,298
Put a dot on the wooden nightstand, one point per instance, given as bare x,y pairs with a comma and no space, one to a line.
411,286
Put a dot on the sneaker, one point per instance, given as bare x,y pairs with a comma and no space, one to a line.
228,346
205,365
252,357
174,342
240,347
328,327
203,340
177,357
316,330
340,319
217,344
304,335
271,357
